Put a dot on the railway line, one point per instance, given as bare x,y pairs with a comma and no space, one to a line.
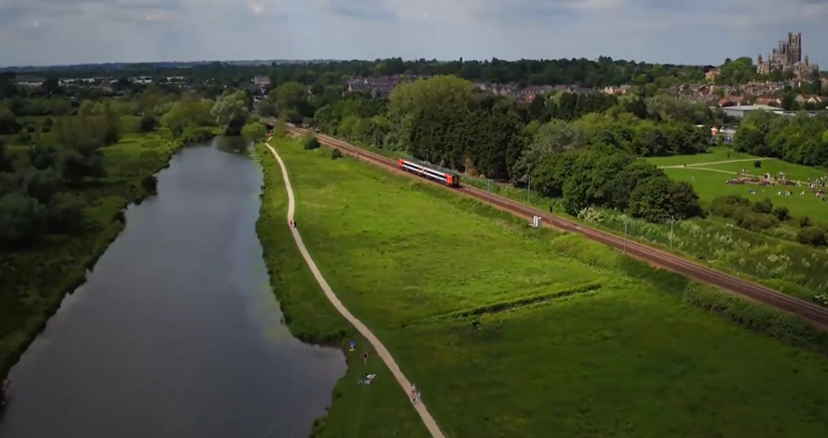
804,309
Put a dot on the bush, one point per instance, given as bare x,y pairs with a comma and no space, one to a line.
781,213
23,139
814,236
148,123
752,221
150,184
310,142
335,154
727,206
764,206
254,131
757,164
805,221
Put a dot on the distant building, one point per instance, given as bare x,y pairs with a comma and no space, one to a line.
787,56
260,84
740,111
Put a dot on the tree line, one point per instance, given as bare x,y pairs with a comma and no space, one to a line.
37,184
799,139
582,148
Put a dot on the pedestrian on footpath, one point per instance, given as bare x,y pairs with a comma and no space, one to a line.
413,393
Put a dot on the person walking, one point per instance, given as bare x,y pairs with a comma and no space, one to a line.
364,357
413,393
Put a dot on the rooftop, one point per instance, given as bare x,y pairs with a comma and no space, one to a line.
751,108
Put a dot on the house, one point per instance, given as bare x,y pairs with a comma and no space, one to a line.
615,91
772,100
731,101
528,94
259,84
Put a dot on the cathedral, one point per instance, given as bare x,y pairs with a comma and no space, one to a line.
787,56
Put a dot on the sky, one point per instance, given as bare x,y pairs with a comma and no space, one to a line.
48,32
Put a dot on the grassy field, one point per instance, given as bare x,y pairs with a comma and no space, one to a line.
380,410
511,331
713,155
34,281
710,185
709,179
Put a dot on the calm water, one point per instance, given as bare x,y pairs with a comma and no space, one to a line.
176,334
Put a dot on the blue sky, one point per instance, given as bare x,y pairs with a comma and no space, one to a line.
676,31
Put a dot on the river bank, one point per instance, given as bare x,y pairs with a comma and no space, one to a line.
55,268
176,332
379,410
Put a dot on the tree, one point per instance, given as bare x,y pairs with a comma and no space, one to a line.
64,213
8,122
189,112
309,141
291,101
21,219
5,160
230,112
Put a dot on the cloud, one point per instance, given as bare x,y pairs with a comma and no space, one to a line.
676,31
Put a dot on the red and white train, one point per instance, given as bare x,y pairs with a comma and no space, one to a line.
450,179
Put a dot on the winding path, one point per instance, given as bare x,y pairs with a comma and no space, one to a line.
674,166
383,353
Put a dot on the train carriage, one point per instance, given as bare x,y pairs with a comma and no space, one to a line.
431,172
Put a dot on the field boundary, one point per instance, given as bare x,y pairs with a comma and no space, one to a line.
383,352
506,306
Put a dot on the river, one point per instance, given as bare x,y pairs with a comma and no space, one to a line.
176,333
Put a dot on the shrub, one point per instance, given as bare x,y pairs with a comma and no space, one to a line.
757,164
754,221
150,184
148,123
726,206
764,206
814,236
254,131
336,153
781,213
310,142
805,221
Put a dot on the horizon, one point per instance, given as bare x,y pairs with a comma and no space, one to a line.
39,33
267,62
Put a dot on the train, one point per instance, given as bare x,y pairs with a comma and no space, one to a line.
450,179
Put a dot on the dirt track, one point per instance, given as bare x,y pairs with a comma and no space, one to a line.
809,311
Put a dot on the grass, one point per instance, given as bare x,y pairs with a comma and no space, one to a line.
35,280
773,258
712,155
710,185
635,357
380,410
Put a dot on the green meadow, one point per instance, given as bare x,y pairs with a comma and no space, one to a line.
511,331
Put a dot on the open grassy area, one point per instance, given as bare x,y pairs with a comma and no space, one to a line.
710,185
380,410
712,155
574,339
35,280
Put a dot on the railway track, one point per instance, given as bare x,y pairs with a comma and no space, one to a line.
804,309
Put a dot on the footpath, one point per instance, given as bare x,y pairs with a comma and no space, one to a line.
383,353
